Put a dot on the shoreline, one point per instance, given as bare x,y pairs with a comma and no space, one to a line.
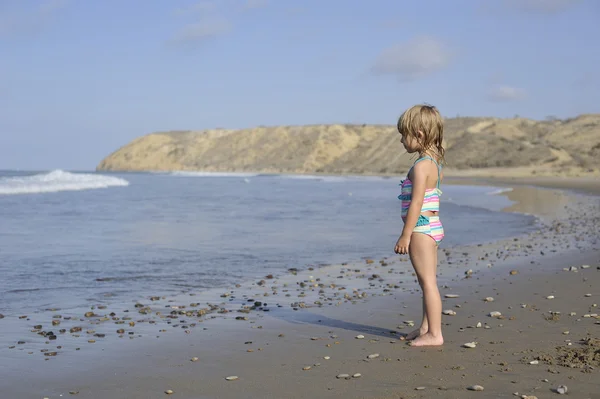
229,332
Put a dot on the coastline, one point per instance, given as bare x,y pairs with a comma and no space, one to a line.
140,368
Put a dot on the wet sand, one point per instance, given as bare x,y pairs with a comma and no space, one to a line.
548,315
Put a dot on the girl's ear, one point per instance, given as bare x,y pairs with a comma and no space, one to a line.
420,136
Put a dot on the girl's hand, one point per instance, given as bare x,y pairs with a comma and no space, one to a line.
402,245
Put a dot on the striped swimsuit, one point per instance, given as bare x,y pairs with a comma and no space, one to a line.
429,225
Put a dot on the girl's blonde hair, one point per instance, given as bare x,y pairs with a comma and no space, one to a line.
426,119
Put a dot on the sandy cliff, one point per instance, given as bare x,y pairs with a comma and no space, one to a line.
474,146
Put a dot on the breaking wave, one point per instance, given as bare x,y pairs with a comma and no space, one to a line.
57,180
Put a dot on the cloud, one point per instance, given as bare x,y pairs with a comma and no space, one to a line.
252,4
196,8
413,59
29,21
542,6
205,29
502,93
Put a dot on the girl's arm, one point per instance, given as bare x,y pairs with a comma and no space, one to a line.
419,184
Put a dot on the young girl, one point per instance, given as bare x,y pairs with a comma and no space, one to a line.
422,132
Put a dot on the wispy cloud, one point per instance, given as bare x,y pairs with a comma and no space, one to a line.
196,8
413,59
29,21
503,93
252,4
542,6
201,31
205,22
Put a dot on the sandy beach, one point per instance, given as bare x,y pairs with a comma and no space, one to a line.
334,331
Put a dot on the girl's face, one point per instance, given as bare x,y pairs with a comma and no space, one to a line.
409,143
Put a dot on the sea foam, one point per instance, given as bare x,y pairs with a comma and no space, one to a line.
57,180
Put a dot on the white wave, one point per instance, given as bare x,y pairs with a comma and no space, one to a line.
57,180
500,191
334,178
211,174
314,177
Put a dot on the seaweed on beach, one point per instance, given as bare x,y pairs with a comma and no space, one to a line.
584,355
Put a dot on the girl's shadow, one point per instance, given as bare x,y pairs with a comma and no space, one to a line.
304,317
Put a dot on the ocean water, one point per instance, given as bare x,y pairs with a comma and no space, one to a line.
68,240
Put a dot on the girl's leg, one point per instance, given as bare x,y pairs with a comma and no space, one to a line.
424,323
423,255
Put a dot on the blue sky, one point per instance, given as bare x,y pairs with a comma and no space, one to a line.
81,78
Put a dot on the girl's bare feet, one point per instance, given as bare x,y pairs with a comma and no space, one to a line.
428,339
413,334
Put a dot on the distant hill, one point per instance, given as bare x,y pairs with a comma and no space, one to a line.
474,145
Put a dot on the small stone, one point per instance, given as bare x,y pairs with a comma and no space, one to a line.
449,312
585,266
360,336
343,376
194,359
356,375
478,325
373,356
550,297
232,378
562,389
513,272
470,345
588,295
488,299
306,368
475,388
534,362
326,357
73,392
169,392
419,388
495,314
452,296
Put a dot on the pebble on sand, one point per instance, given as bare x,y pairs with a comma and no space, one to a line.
452,296
169,392
360,336
373,356
562,389
343,376
470,345
475,388
194,359
495,314
232,378
449,312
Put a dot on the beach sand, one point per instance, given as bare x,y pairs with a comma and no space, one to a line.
546,285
